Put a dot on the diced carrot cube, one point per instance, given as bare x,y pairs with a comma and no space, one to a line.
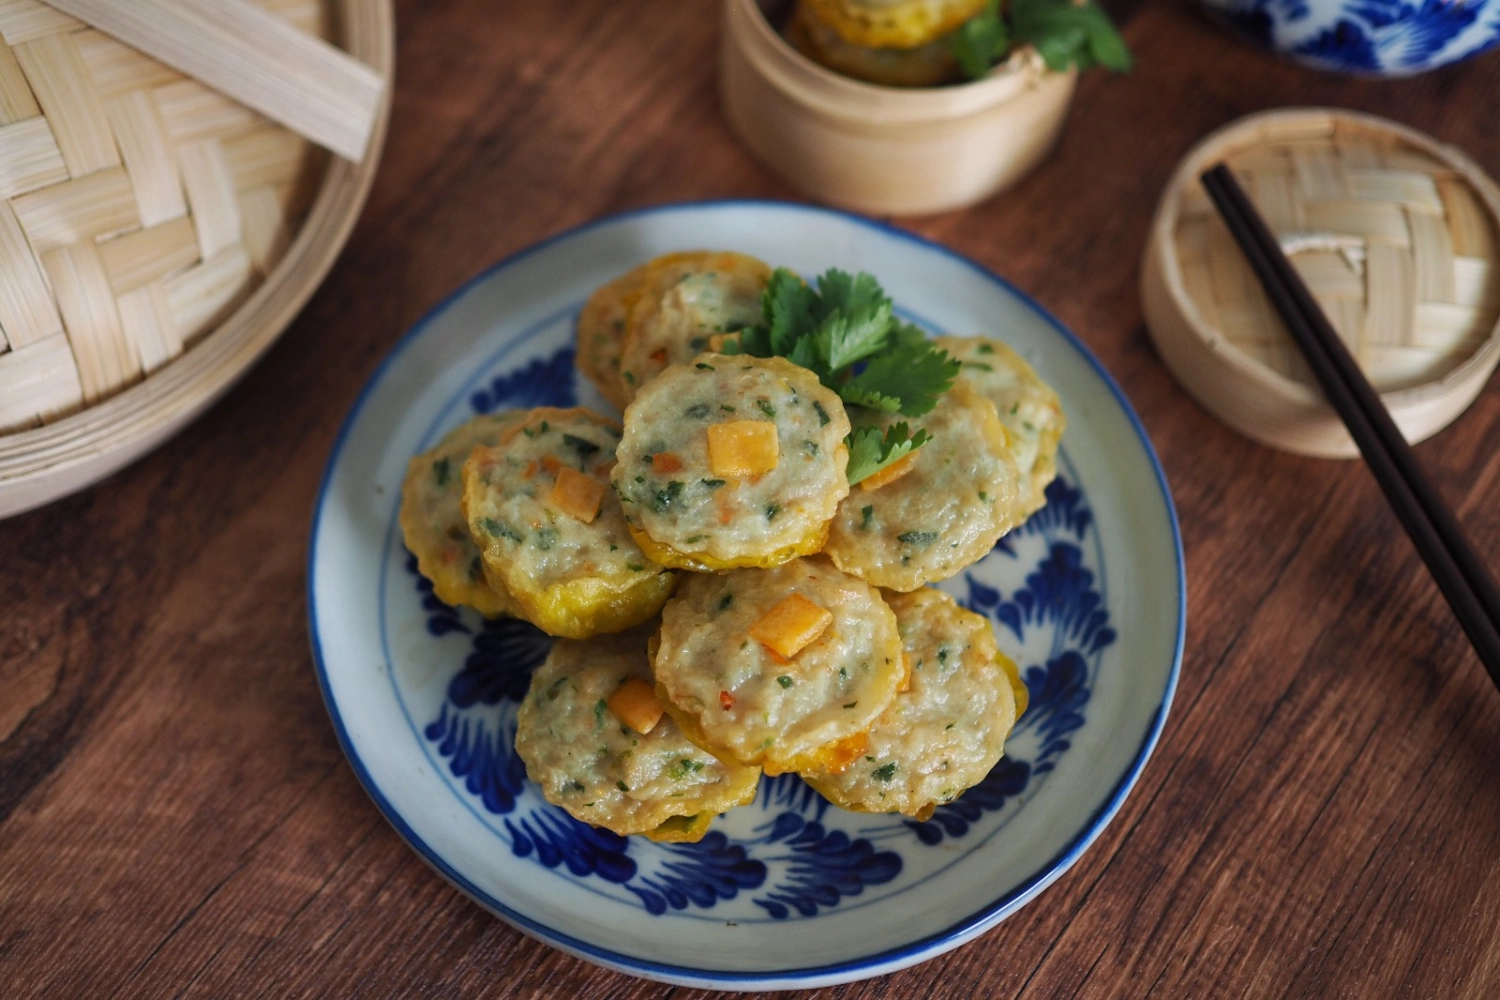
742,448
791,625
890,473
634,703
551,464
665,461
576,495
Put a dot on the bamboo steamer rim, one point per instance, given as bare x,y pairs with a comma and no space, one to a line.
842,97
1264,127
41,464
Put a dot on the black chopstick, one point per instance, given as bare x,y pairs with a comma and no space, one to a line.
1440,540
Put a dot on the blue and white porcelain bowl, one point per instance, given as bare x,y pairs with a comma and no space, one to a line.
788,891
1368,37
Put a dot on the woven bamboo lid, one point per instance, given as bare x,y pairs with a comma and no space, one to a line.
1394,234
145,218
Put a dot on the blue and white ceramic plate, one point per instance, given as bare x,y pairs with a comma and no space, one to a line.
1367,37
789,891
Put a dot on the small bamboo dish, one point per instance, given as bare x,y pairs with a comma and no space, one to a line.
1395,236
155,237
884,150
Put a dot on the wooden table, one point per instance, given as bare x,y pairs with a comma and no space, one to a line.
1321,818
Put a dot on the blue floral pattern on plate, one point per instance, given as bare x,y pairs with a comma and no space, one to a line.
1371,37
798,860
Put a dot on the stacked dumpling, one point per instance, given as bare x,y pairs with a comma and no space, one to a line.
899,43
739,569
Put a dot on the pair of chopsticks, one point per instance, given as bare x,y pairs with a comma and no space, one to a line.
1441,542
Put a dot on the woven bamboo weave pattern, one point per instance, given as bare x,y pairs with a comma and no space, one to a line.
1398,249
137,208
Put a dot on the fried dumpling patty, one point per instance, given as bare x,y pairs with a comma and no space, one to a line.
572,569
895,24
432,517
959,496
685,303
687,507
601,333
736,696
1028,408
587,760
946,731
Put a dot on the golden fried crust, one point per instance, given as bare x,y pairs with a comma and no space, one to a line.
569,577
702,562
601,333
893,24
433,523
929,65
685,829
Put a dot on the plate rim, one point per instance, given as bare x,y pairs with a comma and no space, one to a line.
891,959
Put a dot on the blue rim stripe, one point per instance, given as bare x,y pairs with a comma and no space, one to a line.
891,959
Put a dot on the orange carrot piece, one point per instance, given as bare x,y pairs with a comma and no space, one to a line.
665,461
576,495
837,757
742,448
791,625
890,473
634,703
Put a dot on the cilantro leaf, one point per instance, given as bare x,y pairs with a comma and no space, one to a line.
845,338
864,395
1065,34
789,307
844,331
906,335
911,375
981,42
870,451
809,354
846,294
753,340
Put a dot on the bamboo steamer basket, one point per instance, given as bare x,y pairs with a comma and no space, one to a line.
155,237
1395,236
884,150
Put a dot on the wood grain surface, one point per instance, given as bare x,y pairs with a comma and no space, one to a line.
1321,818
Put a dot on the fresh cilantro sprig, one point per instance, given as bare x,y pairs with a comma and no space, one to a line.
1063,33
981,42
845,332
